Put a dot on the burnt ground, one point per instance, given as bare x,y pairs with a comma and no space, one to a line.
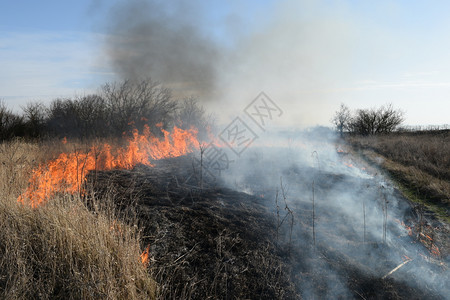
217,243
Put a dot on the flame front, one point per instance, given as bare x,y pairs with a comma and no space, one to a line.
68,172
145,256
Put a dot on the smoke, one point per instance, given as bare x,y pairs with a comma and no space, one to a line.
297,56
165,41
358,215
295,51
299,53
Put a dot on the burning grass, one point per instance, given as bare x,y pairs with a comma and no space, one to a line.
63,249
201,239
67,173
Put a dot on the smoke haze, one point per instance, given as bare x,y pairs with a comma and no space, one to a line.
301,53
163,41
357,212
293,57
308,56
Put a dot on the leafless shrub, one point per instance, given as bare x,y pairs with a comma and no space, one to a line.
341,119
117,108
374,121
191,113
63,119
11,125
35,116
92,115
138,103
368,121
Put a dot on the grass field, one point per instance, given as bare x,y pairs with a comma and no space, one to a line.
418,161
204,244
63,250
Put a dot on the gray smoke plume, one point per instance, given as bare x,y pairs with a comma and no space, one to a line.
353,217
164,41
290,51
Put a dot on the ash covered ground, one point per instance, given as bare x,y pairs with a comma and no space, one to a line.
324,229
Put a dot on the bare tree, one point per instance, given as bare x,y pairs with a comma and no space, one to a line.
363,122
35,116
63,118
191,114
375,121
388,119
342,118
11,125
92,115
138,103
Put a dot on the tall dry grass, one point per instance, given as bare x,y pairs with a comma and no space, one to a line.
418,160
63,250
429,152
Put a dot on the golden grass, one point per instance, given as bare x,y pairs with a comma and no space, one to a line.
429,152
420,163
62,249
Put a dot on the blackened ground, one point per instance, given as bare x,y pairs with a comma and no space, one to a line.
217,243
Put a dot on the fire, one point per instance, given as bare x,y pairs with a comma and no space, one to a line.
213,138
67,173
145,256
426,236
408,228
348,164
435,251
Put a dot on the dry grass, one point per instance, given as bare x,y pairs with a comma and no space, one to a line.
429,152
420,162
64,250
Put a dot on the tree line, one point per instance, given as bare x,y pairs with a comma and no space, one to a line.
370,121
114,110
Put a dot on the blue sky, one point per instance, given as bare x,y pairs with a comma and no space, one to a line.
308,55
46,15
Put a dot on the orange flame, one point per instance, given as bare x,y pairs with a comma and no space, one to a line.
145,256
435,250
68,172
408,228
348,164
213,138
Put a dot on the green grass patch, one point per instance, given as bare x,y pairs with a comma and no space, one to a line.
415,197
